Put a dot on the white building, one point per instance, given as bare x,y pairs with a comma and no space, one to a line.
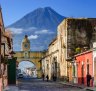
50,62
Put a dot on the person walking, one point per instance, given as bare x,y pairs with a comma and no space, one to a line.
54,77
43,76
88,79
47,78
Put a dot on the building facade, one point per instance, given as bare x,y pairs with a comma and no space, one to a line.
84,65
62,44
77,32
75,35
6,47
50,62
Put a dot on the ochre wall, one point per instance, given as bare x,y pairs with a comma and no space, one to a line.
34,57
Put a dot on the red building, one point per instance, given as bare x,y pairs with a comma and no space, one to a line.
84,63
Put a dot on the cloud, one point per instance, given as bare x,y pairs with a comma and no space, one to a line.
33,37
32,28
15,30
44,32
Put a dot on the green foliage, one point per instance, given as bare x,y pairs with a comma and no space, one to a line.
78,50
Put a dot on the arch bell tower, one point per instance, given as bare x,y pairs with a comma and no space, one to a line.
27,55
25,46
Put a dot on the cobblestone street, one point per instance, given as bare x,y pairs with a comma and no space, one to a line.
39,85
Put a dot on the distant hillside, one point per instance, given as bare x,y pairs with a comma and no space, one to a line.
45,18
40,25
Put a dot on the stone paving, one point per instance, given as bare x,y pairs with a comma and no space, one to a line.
39,85
11,88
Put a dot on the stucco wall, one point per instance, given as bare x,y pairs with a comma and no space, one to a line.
84,59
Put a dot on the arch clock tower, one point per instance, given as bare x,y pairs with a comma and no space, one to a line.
25,46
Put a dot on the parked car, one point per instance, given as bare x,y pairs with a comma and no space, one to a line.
20,75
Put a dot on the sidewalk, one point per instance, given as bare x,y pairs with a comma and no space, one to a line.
79,86
11,88
91,88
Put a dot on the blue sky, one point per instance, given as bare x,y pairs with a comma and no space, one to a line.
13,10
22,65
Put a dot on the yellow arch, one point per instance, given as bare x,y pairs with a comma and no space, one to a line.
33,57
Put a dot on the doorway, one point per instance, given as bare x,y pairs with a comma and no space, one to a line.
82,74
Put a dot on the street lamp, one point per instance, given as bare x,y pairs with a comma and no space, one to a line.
11,53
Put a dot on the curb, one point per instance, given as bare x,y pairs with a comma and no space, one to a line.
87,89
72,85
90,90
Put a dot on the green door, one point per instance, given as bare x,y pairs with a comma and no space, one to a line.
12,71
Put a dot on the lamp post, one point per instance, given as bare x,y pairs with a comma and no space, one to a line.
11,53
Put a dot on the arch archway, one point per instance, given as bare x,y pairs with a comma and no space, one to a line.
27,68
33,57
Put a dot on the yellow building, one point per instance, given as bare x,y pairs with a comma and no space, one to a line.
27,55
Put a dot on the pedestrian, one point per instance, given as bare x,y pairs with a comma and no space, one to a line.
43,76
54,77
88,79
47,78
